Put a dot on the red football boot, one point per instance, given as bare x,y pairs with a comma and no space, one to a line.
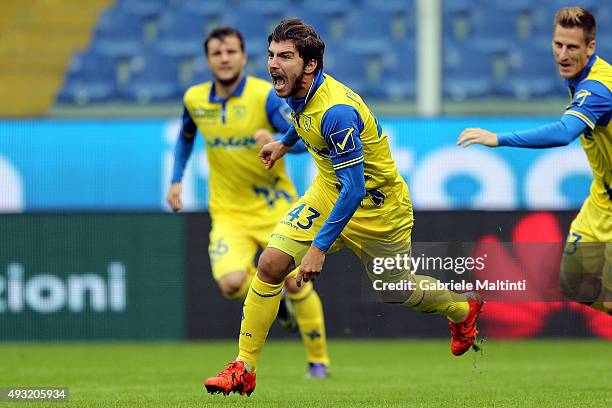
463,333
235,378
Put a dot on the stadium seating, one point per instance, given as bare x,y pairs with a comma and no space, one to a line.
527,79
153,78
91,77
119,34
180,34
467,72
399,74
144,8
492,48
208,8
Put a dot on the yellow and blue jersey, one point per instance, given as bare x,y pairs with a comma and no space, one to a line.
239,183
591,102
351,152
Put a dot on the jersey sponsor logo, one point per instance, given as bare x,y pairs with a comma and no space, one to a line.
231,142
343,140
206,113
272,193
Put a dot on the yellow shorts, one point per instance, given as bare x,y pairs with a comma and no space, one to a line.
235,240
369,233
588,248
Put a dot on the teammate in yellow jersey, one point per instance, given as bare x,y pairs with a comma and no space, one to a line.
586,269
358,199
234,113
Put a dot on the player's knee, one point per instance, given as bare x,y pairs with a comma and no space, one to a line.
394,296
272,267
231,285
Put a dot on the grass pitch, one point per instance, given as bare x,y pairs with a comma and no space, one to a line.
377,373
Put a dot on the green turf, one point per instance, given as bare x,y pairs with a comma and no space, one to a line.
570,373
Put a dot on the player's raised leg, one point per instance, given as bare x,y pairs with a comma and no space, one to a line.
461,310
260,309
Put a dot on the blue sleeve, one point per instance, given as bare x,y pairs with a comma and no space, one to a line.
184,146
352,192
592,102
341,126
559,133
278,112
290,138
298,147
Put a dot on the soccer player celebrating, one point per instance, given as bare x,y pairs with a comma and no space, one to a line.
586,269
234,113
357,198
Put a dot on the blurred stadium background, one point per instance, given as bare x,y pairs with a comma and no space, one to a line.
90,96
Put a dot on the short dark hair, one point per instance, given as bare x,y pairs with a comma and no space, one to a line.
220,34
570,17
306,40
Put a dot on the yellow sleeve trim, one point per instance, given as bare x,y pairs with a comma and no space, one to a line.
582,117
349,163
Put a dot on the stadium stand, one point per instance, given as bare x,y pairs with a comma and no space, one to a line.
374,40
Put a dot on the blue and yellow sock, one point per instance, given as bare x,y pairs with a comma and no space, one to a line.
309,316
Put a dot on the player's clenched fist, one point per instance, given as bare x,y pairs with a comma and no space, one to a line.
472,136
311,266
174,196
272,152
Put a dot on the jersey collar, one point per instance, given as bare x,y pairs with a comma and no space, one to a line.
585,71
212,97
297,105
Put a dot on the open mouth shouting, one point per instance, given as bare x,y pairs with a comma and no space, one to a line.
278,81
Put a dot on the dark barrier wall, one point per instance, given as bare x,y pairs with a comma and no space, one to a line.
91,277
147,276
347,295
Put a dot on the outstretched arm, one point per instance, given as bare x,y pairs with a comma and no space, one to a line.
592,101
559,133
182,152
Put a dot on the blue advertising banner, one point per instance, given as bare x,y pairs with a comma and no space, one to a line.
126,165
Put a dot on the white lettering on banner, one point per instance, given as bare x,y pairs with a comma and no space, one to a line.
498,184
15,285
544,179
11,188
117,293
46,293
